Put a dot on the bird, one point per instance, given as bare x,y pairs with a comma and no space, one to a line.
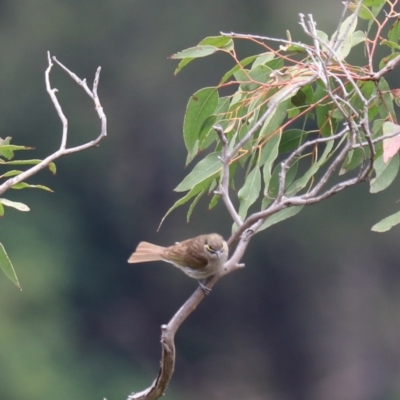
198,257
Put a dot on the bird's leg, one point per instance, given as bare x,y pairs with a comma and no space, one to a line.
204,288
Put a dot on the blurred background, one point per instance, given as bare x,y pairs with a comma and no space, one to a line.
314,315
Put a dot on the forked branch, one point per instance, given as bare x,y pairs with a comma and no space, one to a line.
63,149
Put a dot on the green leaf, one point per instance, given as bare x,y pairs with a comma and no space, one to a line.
394,32
14,147
268,155
280,216
323,37
385,173
208,167
374,3
392,45
263,59
387,59
182,64
1,210
214,201
271,192
275,119
195,52
357,37
51,166
344,36
7,150
206,47
207,134
250,191
386,104
299,99
364,12
201,105
377,127
256,77
14,204
275,64
237,67
291,140
302,182
24,185
353,160
326,124
368,88
7,267
387,223
193,192
14,172
193,205
222,42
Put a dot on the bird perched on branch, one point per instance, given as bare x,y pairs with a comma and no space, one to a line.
199,257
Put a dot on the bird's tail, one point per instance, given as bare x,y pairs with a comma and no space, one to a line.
146,252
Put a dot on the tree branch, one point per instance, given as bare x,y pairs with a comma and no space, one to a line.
63,150
343,93
223,189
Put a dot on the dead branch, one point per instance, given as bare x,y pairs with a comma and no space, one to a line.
63,149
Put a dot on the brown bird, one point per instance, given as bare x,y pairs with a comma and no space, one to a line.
199,257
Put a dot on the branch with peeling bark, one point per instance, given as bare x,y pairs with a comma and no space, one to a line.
63,149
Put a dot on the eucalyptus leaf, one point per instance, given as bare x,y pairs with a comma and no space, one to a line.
201,105
269,153
237,67
385,173
291,140
193,205
280,216
386,108
302,182
13,172
387,223
51,166
193,192
250,191
208,167
394,32
14,204
24,185
214,201
7,267
345,36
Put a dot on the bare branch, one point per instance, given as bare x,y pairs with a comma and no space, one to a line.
63,150
223,189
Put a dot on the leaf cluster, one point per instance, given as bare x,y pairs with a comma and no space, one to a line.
297,120
7,153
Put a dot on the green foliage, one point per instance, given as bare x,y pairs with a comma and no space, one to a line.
7,267
6,155
293,116
387,223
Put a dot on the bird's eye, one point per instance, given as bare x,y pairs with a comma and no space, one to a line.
210,249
